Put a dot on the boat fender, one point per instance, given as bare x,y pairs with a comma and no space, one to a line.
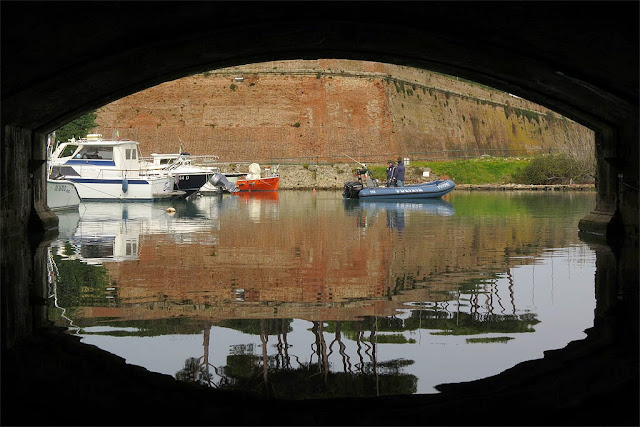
125,185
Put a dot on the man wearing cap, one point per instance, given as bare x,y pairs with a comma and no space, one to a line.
390,168
398,174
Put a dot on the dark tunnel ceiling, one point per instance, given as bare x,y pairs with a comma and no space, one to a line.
578,58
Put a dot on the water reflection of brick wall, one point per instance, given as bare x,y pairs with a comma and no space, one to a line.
257,271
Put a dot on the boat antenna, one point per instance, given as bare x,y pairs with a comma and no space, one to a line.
361,164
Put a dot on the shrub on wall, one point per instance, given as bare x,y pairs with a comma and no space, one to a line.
553,169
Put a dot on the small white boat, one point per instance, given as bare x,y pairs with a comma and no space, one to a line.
109,170
62,194
187,176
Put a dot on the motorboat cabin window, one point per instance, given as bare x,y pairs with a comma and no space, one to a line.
95,152
131,154
68,150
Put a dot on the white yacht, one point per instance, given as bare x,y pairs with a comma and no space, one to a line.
62,194
109,170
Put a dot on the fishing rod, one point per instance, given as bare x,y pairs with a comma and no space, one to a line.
361,164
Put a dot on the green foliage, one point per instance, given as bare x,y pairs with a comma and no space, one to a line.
152,328
246,373
257,326
552,169
502,340
296,125
392,339
77,128
476,171
379,173
233,87
81,284
470,324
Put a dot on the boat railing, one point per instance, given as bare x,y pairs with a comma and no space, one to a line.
176,160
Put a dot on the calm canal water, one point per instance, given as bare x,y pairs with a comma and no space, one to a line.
301,294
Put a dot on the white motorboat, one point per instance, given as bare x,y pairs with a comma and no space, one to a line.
190,170
188,177
62,194
109,170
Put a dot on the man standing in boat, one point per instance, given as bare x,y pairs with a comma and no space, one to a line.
390,169
398,174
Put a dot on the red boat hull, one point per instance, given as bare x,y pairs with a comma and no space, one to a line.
262,184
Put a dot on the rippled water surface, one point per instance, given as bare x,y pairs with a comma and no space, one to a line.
297,294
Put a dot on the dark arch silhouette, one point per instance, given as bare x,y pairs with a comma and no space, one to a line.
60,59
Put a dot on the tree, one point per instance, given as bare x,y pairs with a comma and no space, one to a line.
77,128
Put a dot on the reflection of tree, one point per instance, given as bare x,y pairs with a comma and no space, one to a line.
196,370
272,375
256,327
470,323
436,317
80,284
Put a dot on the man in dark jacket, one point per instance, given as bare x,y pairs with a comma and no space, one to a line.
398,174
390,168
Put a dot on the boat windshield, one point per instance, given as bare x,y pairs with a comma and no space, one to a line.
68,150
95,152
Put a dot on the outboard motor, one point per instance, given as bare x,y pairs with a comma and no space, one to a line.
218,180
351,189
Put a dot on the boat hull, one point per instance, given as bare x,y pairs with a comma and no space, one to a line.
189,182
427,190
129,189
262,184
62,195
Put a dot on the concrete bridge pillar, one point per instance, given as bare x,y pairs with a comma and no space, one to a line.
615,216
25,222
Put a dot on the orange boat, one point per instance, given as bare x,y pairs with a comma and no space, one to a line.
255,182
260,184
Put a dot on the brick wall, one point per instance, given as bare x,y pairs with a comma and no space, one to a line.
322,109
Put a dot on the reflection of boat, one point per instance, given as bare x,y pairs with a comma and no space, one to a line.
254,181
62,194
109,170
435,206
260,195
366,187
368,209
108,231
